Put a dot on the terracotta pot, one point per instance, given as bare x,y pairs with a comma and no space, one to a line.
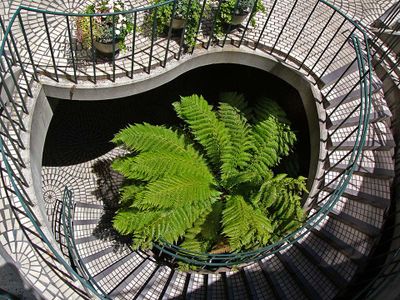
106,48
238,19
178,23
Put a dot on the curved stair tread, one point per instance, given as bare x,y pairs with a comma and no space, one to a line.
259,287
379,137
371,163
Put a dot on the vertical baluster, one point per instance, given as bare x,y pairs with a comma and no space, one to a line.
17,87
169,32
216,16
113,48
28,48
317,39
337,53
283,27
71,48
301,30
133,42
253,12
50,45
11,140
230,25
13,59
182,41
153,36
93,49
265,24
199,24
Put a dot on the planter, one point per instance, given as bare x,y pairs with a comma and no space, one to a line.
178,23
238,19
106,48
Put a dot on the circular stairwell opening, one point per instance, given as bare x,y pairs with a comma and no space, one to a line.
78,152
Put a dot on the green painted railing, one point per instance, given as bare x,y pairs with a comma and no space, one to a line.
312,59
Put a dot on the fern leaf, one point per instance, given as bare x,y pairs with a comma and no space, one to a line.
150,166
237,156
172,224
203,123
150,138
265,107
174,192
238,101
245,226
128,221
129,193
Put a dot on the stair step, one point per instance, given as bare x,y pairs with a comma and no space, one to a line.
353,95
216,287
85,240
315,284
176,286
257,282
85,222
370,163
116,265
89,205
361,226
348,115
236,286
364,212
334,75
133,284
153,289
374,191
337,243
197,288
379,137
97,255
329,256
351,242
284,286
327,269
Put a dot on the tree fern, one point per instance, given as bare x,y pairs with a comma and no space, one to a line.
212,187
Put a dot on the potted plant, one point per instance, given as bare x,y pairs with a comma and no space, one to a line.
234,12
209,186
106,29
186,16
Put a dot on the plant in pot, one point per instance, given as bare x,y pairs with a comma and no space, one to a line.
186,16
234,12
209,186
106,30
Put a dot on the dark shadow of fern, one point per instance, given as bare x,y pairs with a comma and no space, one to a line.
107,191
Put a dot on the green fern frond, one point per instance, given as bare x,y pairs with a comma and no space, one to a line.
238,101
151,138
150,166
172,224
130,193
174,192
128,221
237,156
205,126
265,108
245,226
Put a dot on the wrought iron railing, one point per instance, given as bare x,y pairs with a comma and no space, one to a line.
22,63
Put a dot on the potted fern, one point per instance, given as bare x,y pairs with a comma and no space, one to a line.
209,187
106,30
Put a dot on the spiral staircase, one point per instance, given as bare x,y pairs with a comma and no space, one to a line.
348,246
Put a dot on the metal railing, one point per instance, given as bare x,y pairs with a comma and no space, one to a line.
22,63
